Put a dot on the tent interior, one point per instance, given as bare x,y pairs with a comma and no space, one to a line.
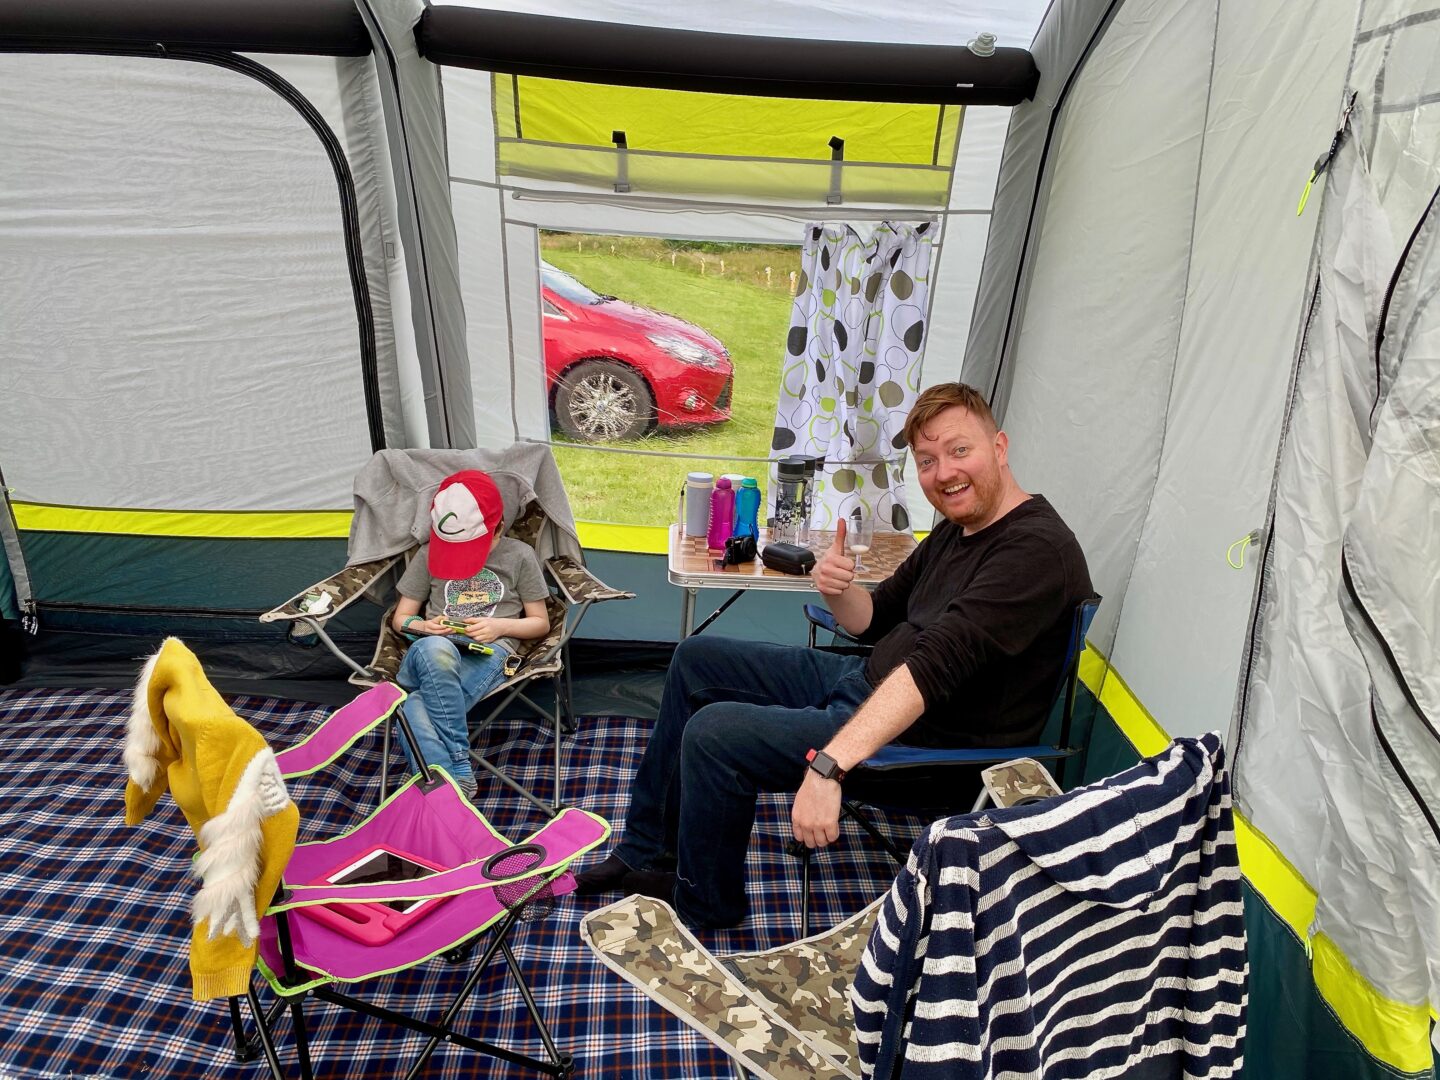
250,243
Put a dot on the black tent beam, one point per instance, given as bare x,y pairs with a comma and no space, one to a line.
583,51
314,27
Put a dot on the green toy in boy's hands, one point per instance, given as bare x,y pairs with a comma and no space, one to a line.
464,642
460,628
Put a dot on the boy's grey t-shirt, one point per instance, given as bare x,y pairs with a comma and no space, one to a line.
510,577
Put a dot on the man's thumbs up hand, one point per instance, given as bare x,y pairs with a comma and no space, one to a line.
835,570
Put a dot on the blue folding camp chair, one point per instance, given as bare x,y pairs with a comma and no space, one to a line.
920,779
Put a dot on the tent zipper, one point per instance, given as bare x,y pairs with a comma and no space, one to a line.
1263,572
1390,295
1267,533
1323,161
1398,673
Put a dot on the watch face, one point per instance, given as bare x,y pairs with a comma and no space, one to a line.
824,764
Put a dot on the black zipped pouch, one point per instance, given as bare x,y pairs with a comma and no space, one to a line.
788,558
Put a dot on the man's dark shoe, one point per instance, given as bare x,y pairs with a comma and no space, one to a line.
655,884
605,876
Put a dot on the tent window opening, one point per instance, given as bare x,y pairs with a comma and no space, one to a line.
640,139
665,356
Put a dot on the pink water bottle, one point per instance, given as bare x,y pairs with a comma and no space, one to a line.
722,514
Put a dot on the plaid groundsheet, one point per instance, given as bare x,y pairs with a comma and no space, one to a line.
94,915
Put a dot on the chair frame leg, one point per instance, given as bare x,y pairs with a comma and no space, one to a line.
553,719
262,1032
560,1064
385,758
853,810
805,893
302,1039
244,1050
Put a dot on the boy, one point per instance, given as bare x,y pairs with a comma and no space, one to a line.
467,574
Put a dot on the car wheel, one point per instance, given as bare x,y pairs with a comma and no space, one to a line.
601,400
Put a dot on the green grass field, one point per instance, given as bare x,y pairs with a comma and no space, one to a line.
739,308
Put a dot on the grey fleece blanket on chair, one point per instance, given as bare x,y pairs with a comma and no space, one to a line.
394,489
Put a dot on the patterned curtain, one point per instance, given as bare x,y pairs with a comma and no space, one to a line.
852,365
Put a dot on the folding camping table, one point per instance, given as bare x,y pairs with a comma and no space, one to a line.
692,567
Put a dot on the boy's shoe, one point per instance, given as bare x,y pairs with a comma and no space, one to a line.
605,876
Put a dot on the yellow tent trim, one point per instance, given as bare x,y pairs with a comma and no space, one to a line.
603,536
1393,1032
689,122
1396,1033
282,524
226,524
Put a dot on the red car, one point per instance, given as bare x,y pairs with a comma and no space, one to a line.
617,370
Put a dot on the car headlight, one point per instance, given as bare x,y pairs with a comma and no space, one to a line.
685,350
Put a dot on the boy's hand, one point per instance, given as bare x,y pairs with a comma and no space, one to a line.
483,630
428,626
835,570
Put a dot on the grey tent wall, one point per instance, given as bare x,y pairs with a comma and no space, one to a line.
410,93
1061,44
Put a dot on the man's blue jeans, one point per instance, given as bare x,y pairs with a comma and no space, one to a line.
736,718
444,685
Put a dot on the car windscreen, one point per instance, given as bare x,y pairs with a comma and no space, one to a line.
566,287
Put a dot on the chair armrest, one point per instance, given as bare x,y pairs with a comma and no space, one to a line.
825,620
564,838
321,601
895,757
339,731
578,585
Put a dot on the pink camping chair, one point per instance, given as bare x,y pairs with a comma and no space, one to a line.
352,907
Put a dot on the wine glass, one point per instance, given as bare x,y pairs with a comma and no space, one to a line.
860,534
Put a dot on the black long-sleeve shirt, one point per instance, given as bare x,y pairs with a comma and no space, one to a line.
982,622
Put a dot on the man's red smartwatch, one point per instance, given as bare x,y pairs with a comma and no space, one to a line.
825,765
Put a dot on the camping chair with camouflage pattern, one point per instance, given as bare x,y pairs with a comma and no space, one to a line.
392,502
781,1014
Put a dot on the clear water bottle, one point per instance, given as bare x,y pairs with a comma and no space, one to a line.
722,514
697,503
747,508
807,514
789,499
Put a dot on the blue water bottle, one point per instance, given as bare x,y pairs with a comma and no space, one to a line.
747,508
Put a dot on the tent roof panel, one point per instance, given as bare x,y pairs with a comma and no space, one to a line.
920,22
629,55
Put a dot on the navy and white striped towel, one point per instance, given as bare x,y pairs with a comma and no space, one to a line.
1096,934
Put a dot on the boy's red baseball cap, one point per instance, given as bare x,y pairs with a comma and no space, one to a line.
464,518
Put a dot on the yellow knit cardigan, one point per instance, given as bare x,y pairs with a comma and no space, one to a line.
183,738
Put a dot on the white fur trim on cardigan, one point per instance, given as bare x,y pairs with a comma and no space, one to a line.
229,863
142,745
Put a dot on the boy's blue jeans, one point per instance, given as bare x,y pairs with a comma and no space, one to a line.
444,684
736,718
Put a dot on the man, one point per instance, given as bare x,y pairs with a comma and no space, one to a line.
969,638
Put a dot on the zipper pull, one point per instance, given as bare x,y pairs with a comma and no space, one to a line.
1323,161
1237,562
